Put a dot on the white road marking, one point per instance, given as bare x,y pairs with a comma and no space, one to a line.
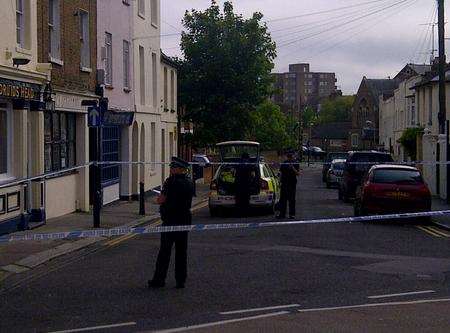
223,322
261,309
403,294
369,305
131,323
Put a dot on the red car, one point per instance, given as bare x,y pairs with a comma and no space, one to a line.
391,189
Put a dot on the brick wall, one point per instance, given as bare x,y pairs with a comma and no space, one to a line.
69,76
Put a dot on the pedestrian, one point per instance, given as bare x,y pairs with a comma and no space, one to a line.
289,170
175,203
242,185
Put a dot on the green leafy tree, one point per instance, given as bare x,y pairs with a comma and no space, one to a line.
309,116
409,141
225,72
336,109
272,128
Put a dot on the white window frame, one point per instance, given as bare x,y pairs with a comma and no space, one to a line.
172,89
9,152
126,65
108,59
54,27
154,80
85,54
141,56
154,12
20,23
153,145
166,89
141,8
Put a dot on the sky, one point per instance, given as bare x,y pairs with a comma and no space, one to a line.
375,39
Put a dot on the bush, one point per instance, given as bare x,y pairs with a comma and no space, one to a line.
409,141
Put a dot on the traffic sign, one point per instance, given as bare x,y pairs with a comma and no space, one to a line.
94,117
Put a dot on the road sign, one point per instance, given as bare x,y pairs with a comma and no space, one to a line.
94,117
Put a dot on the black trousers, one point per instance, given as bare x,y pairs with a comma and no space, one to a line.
287,195
168,239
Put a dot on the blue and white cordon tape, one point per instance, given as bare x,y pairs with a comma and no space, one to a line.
204,227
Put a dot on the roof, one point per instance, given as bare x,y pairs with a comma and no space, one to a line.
380,87
238,143
420,68
168,60
394,166
336,131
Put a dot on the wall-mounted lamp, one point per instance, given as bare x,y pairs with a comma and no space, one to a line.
19,61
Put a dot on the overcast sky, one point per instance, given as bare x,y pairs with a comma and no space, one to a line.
344,41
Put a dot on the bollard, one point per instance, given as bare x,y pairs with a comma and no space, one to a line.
141,199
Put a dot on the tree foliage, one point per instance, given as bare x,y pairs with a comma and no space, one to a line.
273,129
337,109
225,72
409,141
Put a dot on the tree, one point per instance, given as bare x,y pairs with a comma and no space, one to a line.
336,109
225,72
272,128
409,141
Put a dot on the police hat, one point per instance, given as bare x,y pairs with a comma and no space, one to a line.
177,162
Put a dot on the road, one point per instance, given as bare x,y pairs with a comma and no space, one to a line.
321,277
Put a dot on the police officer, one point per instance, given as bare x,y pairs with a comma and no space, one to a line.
289,170
175,203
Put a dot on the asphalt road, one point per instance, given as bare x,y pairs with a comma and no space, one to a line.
321,277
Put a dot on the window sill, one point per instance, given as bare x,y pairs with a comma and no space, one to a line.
22,50
154,25
109,87
86,69
6,179
127,90
152,173
61,174
141,16
126,2
56,61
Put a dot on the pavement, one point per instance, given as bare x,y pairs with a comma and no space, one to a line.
442,222
22,256
352,277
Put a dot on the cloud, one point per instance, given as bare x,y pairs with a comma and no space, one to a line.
375,46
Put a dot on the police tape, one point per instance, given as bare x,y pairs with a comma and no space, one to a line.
208,227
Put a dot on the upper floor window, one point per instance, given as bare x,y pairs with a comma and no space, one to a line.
172,90
84,38
154,11
54,28
108,59
141,7
154,80
126,64
142,74
165,88
22,8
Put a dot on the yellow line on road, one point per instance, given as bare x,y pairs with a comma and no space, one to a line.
129,236
440,232
430,232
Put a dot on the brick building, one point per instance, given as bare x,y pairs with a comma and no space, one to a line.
300,87
67,39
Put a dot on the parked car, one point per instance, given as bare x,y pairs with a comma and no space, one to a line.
391,189
335,173
358,163
264,184
330,157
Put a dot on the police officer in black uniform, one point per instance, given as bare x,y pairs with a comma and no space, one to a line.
175,208
289,170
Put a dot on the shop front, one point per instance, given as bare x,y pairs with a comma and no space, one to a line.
20,111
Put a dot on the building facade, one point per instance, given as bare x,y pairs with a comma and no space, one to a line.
300,88
23,80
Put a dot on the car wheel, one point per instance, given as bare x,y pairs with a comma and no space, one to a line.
214,212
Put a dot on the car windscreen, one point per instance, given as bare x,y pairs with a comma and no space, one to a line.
336,156
397,176
362,162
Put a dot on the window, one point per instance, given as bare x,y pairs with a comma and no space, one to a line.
84,38
154,11
59,139
126,64
355,140
154,81
54,29
430,106
5,142
165,88
141,7
153,145
171,145
172,90
108,59
413,111
142,74
20,23
110,152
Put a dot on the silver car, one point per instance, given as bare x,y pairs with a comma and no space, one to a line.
335,173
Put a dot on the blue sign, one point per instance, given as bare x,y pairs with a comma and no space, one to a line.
94,116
